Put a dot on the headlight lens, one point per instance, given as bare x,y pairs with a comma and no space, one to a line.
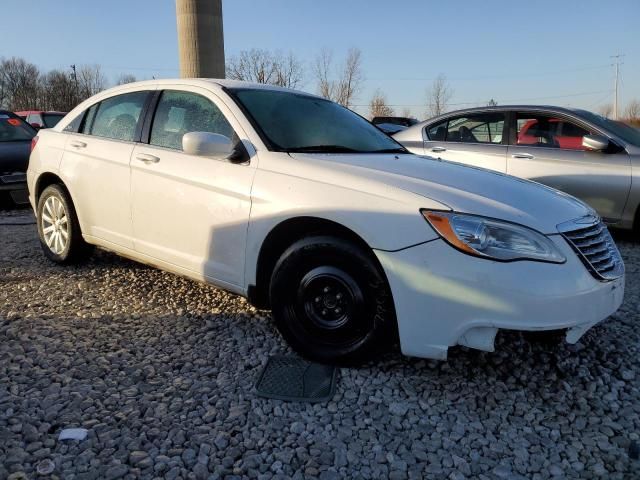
493,239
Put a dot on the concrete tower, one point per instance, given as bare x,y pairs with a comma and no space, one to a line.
200,38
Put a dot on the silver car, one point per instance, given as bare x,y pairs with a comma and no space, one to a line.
576,151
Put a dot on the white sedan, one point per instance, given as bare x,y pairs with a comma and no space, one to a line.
307,209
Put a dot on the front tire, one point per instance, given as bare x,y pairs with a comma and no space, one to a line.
58,228
331,302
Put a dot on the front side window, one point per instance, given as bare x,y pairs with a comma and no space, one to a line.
294,122
183,112
547,131
117,117
472,128
14,129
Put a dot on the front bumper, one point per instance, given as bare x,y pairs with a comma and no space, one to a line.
444,297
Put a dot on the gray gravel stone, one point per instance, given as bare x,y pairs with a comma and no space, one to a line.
161,371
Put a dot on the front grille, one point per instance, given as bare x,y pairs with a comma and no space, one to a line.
597,250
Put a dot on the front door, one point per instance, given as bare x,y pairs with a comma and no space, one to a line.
191,211
548,149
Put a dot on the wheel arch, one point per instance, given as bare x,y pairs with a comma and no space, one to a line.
285,234
46,179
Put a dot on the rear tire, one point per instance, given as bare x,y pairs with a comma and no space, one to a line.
331,302
58,228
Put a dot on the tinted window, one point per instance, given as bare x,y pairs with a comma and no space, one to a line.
295,122
548,131
14,129
183,112
472,128
117,117
88,119
50,120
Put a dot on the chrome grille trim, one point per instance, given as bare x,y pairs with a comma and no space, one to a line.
591,240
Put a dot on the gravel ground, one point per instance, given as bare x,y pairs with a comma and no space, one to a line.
160,370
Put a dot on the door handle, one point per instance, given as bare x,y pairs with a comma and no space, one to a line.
527,156
147,158
77,144
438,149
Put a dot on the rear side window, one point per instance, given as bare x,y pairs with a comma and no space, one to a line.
473,128
14,129
117,117
183,112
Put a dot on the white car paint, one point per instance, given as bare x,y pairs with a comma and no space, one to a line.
207,219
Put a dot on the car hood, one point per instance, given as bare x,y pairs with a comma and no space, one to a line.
465,189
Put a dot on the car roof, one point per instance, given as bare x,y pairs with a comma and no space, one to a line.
503,108
218,83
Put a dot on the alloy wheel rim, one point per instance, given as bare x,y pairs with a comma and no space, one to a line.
55,225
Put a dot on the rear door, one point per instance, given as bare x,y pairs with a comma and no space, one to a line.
473,139
547,148
96,165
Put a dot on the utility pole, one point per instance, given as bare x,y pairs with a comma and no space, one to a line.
200,38
74,75
615,89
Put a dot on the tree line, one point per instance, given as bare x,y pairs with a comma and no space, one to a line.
23,86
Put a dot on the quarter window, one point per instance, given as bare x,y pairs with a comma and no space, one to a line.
183,112
474,128
548,131
117,117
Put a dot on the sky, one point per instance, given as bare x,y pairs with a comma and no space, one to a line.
543,52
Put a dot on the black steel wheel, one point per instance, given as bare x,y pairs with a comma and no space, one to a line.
331,301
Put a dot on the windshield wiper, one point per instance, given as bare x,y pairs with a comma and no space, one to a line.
390,150
322,149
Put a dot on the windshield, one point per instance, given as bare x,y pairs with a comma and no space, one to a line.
14,129
293,122
625,132
51,119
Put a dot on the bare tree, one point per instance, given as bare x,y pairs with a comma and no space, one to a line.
125,78
322,70
19,80
90,80
406,112
378,105
57,92
605,110
349,79
263,66
632,112
438,96
492,103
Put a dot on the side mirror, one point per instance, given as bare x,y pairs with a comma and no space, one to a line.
595,143
207,144
36,125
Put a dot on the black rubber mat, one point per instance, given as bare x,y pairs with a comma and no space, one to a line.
295,379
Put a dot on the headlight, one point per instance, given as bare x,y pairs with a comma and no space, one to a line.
493,239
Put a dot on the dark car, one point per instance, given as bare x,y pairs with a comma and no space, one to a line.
15,146
391,125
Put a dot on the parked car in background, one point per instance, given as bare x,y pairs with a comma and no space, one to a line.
15,144
40,119
306,208
391,125
576,151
